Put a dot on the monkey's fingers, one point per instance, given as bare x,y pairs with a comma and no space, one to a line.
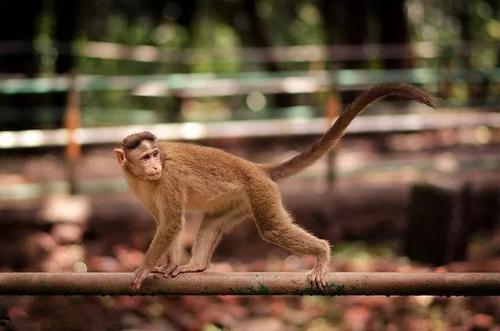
187,268
165,269
321,281
136,283
311,279
139,275
170,273
161,269
317,278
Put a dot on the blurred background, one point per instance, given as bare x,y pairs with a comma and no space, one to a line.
408,188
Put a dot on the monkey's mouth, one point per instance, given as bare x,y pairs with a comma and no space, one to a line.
154,176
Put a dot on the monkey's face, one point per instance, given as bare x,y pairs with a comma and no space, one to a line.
144,161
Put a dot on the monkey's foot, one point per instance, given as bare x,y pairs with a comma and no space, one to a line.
317,276
139,275
190,267
165,269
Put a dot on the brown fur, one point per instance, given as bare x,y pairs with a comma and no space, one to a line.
227,189
332,136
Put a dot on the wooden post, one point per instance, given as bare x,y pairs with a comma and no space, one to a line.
72,124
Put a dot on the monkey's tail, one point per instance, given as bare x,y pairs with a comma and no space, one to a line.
333,135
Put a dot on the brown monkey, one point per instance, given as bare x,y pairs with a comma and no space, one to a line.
170,178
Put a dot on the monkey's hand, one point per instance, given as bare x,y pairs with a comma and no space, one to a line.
139,275
190,267
165,269
317,276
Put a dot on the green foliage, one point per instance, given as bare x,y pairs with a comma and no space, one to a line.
43,40
293,23
219,28
170,36
212,36
449,23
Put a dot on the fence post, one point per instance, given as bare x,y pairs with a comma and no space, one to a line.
72,124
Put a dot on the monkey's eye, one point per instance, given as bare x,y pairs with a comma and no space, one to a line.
145,157
155,154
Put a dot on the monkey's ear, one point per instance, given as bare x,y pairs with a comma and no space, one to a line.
120,156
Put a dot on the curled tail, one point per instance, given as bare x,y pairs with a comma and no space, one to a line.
333,135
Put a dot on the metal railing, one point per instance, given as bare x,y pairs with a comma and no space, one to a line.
253,283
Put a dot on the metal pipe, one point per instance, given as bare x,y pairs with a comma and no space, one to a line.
252,283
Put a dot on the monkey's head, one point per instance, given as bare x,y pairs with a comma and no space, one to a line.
140,154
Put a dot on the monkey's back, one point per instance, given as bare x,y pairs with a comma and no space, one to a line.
207,174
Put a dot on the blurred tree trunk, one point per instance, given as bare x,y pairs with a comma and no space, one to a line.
463,13
346,23
393,25
66,20
188,10
495,9
18,20
337,20
95,18
184,13
257,32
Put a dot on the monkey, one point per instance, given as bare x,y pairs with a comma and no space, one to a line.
170,178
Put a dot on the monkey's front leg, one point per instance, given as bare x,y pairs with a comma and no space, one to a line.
168,229
171,259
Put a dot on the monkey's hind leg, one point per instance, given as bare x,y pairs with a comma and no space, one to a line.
213,226
275,225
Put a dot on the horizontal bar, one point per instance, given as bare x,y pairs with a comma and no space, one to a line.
253,283
253,128
227,84
298,53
